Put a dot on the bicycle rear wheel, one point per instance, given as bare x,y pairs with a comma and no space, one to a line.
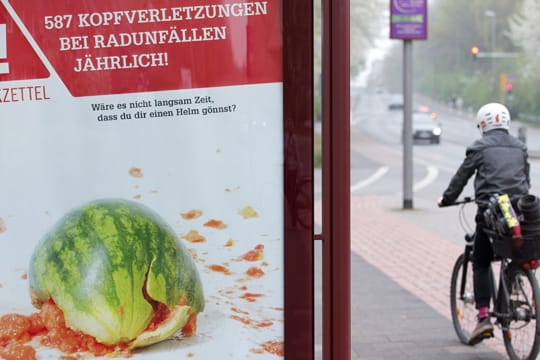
522,336
462,306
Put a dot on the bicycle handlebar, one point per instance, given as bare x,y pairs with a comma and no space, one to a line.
465,200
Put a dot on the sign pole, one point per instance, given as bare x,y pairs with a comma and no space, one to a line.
408,22
407,126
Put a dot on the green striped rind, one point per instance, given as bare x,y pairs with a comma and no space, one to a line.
94,264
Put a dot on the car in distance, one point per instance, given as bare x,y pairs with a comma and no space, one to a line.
396,102
426,109
424,128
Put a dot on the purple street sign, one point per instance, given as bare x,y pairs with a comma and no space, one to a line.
408,19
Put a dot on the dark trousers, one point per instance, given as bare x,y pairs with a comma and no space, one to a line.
482,257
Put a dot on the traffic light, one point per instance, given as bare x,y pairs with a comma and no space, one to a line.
509,88
475,50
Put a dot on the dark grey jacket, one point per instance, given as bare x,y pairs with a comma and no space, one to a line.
500,163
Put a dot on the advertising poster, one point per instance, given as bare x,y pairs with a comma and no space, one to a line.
173,106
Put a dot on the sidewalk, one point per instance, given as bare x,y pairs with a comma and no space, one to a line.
400,287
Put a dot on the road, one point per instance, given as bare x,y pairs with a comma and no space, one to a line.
377,152
371,120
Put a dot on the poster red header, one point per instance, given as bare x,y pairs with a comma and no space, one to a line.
123,47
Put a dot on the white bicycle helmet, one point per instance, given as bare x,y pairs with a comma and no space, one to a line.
493,116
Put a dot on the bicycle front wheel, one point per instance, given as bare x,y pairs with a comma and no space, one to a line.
462,305
522,333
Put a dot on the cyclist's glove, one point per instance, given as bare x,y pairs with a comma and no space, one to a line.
443,201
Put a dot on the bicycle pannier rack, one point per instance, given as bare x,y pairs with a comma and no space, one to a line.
514,237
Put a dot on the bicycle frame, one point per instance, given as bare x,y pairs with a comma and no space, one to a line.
469,241
469,238
495,290
496,295
468,252
506,268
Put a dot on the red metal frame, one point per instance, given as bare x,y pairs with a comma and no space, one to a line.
336,180
298,138
298,175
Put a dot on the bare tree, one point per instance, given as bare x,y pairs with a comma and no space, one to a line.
525,34
367,21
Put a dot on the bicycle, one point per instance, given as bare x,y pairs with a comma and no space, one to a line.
515,298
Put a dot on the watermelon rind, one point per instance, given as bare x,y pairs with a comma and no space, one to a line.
105,263
175,322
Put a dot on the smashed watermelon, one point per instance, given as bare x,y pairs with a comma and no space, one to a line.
111,266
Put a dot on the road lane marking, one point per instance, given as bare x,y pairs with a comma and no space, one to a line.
432,173
431,176
374,177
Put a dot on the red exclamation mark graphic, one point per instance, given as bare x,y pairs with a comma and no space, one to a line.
4,65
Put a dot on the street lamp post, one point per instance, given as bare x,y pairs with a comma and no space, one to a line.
492,14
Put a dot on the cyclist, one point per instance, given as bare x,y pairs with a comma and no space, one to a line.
499,163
